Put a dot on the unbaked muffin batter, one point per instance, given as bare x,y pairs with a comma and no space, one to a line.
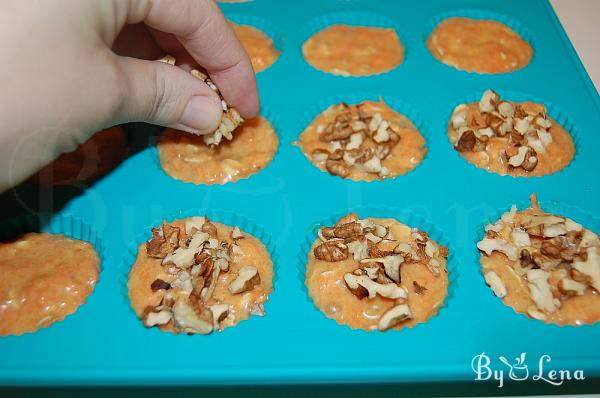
45,277
483,46
198,276
518,139
363,142
376,274
543,265
258,45
188,158
354,50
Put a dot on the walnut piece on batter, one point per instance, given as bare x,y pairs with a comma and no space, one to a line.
524,128
555,257
378,258
358,139
194,256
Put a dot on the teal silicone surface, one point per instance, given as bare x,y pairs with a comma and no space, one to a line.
295,343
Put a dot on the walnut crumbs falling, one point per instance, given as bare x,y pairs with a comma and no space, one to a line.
196,276
518,139
376,274
364,142
543,265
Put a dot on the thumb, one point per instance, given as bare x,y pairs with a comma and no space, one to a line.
163,94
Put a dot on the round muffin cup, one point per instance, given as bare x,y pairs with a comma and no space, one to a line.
403,217
353,18
265,26
513,96
583,217
265,112
66,224
354,98
473,13
228,218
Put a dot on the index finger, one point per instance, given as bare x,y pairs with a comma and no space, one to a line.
204,32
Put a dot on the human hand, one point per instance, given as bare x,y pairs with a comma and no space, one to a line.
74,67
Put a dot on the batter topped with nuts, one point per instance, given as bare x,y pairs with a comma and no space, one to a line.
518,139
196,276
543,265
376,274
364,142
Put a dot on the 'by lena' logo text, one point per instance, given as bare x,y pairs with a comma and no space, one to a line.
519,371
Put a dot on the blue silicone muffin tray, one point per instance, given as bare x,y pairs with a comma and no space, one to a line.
104,342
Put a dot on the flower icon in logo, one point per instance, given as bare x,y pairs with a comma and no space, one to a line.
517,371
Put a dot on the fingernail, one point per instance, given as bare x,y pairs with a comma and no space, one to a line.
198,114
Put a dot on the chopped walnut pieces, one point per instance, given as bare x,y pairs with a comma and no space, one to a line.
331,251
344,231
590,267
204,263
219,313
391,265
549,249
230,120
488,101
571,287
524,130
466,141
337,168
209,282
257,309
359,284
160,317
358,249
375,251
209,228
540,290
359,139
356,288
167,59
191,320
443,251
378,257
394,316
494,282
248,277
159,284
420,290
236,233
526,260
164,241
490,245
320,155
552,261
195,260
